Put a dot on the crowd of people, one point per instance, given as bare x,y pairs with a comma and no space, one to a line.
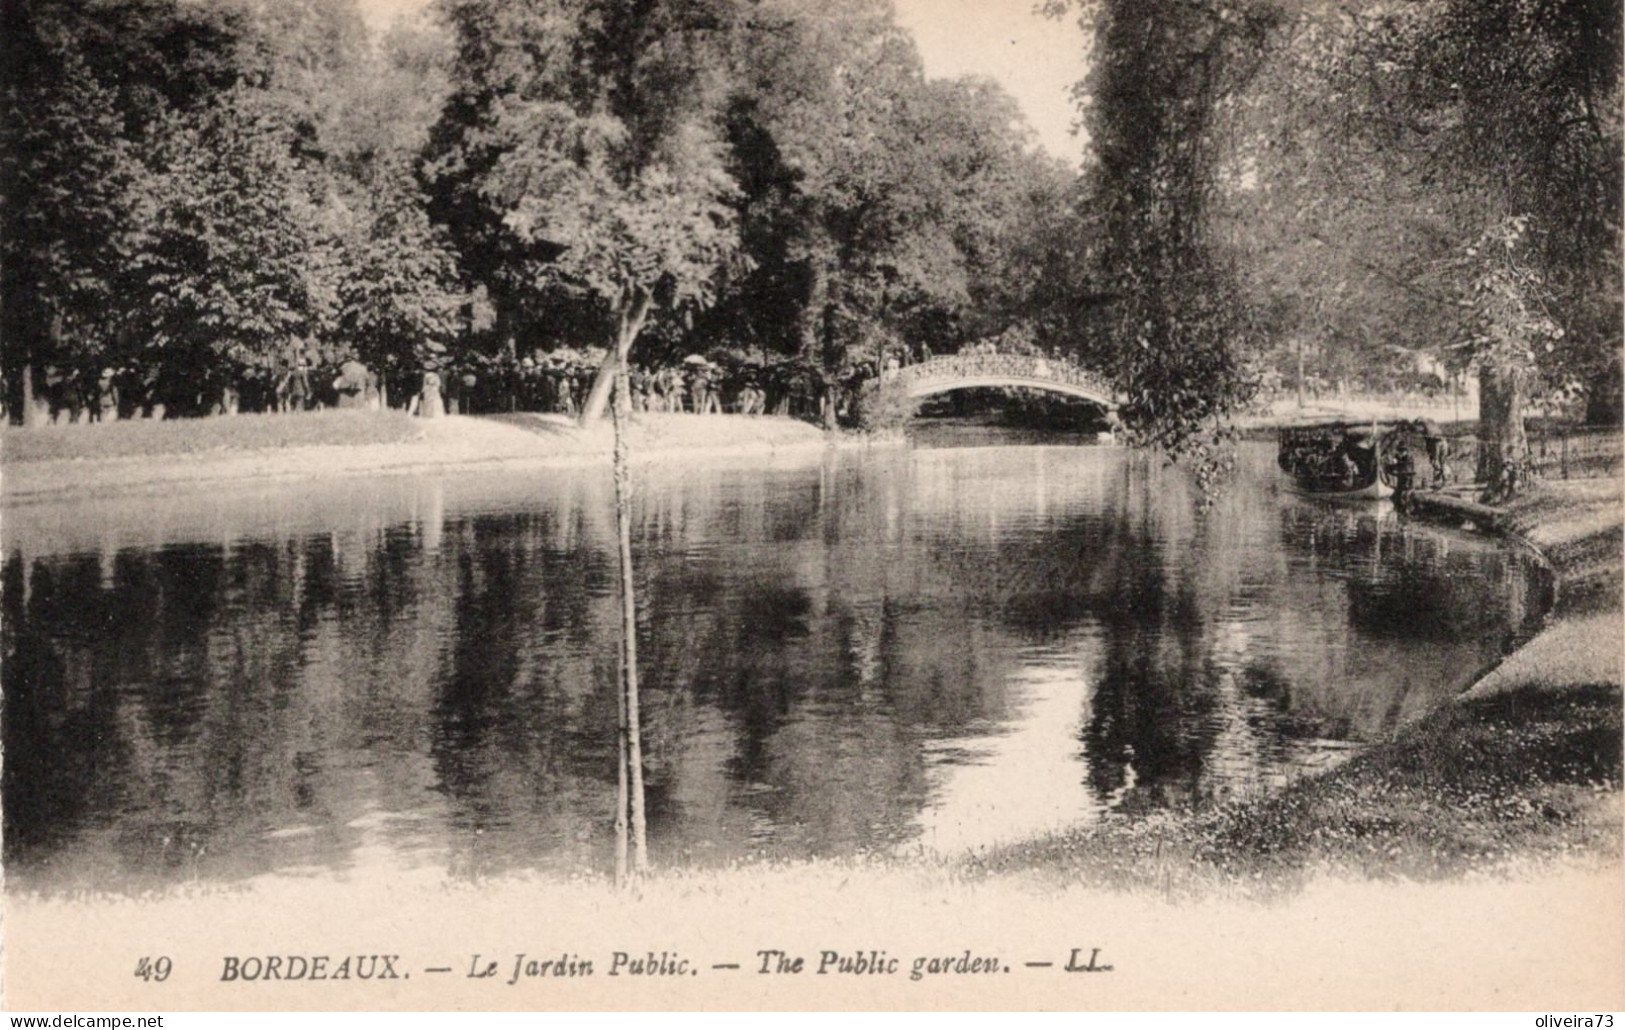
156,392
557,381
548,382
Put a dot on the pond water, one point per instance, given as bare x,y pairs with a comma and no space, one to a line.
935,647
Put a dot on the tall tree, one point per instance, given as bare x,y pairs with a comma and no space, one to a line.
400,304
1395,169
233,260
1517,101
357,112
585,135
199,187
876,206
86,88
1173,331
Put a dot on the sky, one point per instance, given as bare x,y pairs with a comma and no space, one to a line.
1036,59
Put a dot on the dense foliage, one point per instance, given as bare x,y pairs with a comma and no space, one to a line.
1372,194
208,189
204,192
1173,328
777,176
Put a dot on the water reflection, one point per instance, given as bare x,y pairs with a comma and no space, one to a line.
938,648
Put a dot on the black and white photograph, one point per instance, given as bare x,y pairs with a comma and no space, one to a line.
812,505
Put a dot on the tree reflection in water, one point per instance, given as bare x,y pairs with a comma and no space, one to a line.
937,647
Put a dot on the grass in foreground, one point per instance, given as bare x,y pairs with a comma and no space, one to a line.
1526,774
138,438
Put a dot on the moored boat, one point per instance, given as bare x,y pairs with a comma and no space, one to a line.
1337,460
1369,492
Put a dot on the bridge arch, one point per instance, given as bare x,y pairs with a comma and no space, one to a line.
965,371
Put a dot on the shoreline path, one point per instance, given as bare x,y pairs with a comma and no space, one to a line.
29,472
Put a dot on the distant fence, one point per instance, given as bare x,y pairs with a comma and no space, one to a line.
1554,453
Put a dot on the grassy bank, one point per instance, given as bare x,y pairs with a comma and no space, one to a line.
147,438
1576,525
1485,785
60,461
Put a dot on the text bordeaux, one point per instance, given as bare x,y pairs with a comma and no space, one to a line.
310,967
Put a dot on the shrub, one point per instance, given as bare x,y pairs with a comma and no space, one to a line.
884,405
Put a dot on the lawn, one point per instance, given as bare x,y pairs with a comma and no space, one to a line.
147,438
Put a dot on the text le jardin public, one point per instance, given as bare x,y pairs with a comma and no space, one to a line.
568,965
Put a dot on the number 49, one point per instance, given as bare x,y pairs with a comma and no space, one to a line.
153,969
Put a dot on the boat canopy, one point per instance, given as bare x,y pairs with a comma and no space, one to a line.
1344,426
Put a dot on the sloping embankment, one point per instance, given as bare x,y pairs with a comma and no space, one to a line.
1575,525
65,461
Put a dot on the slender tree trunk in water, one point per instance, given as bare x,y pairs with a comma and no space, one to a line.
629,775
1501,438
621,786
632,731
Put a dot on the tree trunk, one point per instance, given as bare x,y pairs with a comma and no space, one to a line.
629,733
1501,438
36,403
1605,398
36,408
633,311
811,325
631,727
592,409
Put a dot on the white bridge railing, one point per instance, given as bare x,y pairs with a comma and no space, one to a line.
971,368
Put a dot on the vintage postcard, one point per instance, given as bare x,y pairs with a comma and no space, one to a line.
811,504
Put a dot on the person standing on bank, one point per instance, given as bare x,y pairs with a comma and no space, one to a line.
429,402
452,389
106,409
352,384
296,392
1402,472
1437,446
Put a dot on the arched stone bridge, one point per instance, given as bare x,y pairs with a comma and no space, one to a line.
963,371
